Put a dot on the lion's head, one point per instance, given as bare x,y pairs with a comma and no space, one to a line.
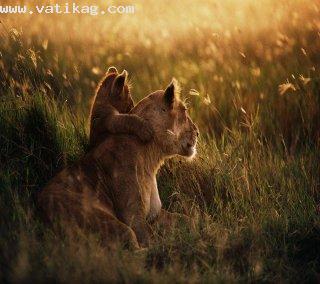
115,87
175,132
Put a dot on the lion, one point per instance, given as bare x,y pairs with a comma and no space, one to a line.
113,188
110,108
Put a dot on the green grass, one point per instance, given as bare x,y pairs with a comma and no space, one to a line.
253,188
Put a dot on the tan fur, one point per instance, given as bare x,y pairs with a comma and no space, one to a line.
113,189
109,110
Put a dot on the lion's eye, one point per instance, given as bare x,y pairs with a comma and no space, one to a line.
163,109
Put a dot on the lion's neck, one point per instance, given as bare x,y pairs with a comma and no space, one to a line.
153,157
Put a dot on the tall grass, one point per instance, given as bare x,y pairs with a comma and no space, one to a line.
253,189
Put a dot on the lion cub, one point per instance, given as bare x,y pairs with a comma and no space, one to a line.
109,112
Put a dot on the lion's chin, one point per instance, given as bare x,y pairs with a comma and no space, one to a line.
189,152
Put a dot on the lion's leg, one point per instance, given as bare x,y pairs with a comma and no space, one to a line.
137,221
68,210
131,208
112,229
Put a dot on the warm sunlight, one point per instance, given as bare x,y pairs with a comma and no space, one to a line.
172,141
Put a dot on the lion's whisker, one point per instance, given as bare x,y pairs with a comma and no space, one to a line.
170,132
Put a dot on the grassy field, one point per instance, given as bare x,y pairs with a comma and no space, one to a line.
250,72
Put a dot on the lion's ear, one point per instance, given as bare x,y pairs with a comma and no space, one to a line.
171,94
118,84
112,69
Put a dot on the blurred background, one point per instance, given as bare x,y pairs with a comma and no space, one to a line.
243,61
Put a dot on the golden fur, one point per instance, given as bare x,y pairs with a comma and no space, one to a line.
113,189
109,110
